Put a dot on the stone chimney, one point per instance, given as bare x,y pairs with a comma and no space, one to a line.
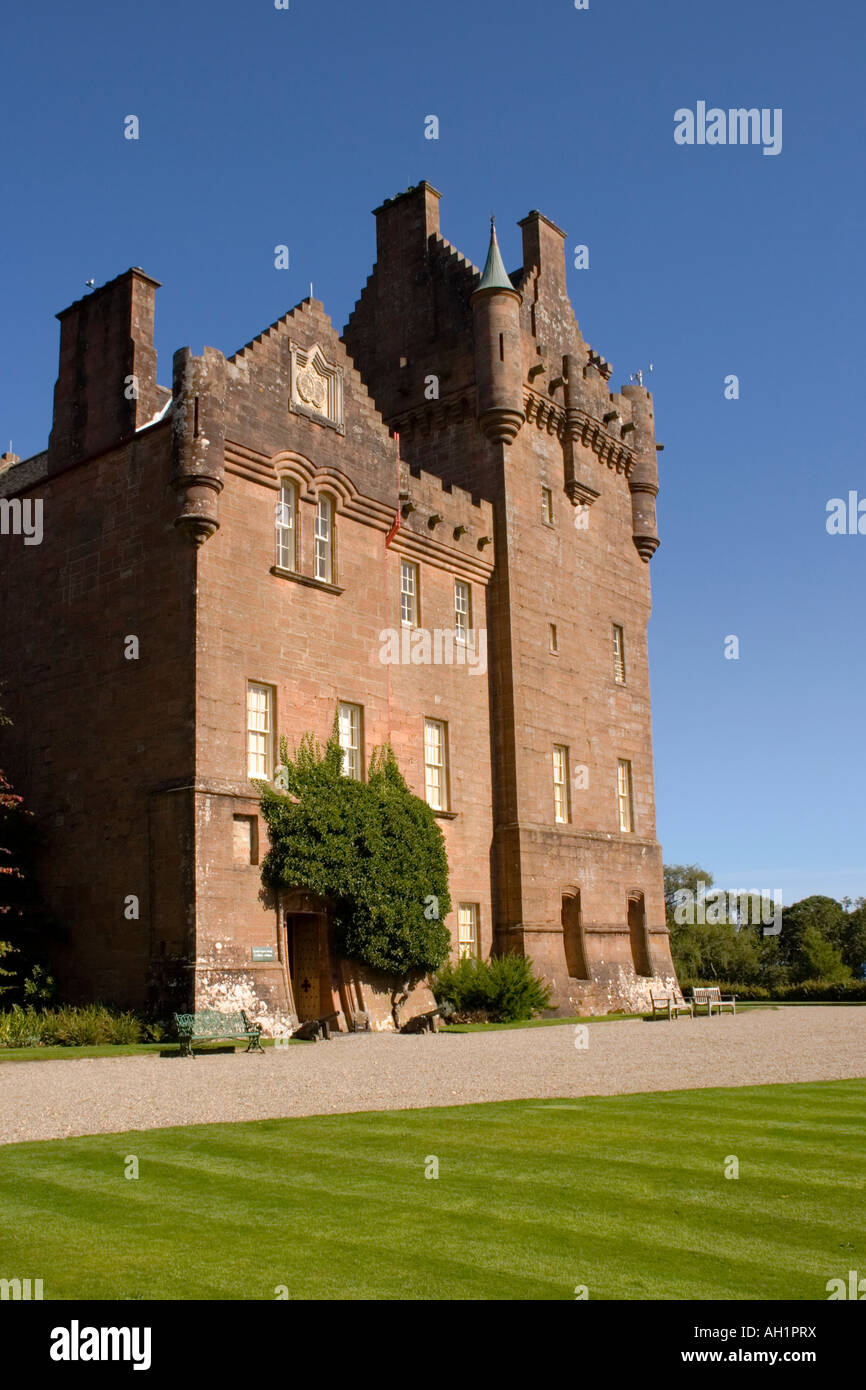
106,384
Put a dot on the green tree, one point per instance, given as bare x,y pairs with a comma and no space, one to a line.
373,849
812,939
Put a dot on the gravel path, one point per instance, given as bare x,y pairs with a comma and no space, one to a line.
49,1100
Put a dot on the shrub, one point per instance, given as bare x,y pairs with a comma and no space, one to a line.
68,1027
827,991
505,988
373,849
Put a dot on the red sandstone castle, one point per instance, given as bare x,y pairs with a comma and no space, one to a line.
242,555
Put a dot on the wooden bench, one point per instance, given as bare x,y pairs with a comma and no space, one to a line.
710,997
670,1005
209,1025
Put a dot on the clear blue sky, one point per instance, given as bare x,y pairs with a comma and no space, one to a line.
261,126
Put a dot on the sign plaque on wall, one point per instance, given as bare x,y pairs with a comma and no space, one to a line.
263,953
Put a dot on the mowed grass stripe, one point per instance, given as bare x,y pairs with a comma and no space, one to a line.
625,1194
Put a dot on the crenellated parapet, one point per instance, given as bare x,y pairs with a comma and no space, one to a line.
198,440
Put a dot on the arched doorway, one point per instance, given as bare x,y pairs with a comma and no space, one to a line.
572,935
638,934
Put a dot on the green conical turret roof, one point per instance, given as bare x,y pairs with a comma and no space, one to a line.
494,275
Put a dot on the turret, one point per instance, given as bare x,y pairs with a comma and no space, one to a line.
644,477
198,440
498,360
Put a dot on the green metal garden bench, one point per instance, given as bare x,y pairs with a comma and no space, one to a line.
209,1025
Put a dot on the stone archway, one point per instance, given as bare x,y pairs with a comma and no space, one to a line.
638,933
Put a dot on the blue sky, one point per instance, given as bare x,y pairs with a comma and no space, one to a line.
261,127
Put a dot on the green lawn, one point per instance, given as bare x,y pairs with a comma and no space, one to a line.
623,1194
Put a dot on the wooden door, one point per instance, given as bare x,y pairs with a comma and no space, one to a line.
307,966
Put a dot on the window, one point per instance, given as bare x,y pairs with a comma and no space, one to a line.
624,794
552,637
467,931
260,730
436,763
618,655
462,611
408,593
547,506
245,839
561,807
325,540
286,509
350,740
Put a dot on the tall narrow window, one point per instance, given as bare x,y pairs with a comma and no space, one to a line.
618,655
547,506
436,763
260,730
325,540
561,807
350,724
462,611
467,931
408,593
553,638
286,527
624,795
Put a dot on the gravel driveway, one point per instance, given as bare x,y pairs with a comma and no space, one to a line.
49,1100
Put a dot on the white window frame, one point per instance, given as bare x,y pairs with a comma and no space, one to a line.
462,611
619,667
625,795
287,526
468,944
261,702
436,767
325,538
410,584
561,797
350,720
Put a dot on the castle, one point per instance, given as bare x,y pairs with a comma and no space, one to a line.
239,556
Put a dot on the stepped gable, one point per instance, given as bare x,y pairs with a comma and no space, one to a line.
266,409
